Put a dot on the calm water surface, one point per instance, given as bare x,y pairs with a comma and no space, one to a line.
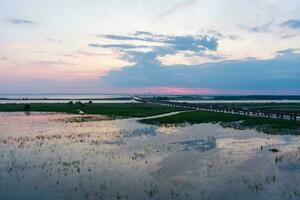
236,101
65,101
62,98
44,156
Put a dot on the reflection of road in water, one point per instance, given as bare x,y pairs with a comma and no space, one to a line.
44,157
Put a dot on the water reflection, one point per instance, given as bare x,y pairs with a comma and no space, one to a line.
150,131
197,145
291,167
261,128
42,156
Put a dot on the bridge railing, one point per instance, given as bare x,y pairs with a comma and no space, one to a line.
215,107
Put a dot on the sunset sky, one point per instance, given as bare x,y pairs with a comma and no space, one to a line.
135,46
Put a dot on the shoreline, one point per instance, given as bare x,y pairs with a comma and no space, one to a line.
153,114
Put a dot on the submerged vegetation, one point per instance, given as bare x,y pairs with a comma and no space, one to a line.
208,117
117,110
118,160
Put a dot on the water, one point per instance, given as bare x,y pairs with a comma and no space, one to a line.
66,101
43,155
236,101
101,98
60,96
63,98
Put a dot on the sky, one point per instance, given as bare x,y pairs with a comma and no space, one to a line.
164,47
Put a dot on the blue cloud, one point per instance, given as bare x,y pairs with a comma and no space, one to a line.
281,72
119,37
169,44
263,28
20,21
142,33
292,23
209,56
193,43
145,58
118,46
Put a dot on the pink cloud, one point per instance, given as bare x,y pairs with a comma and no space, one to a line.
177,90
196,91
159,90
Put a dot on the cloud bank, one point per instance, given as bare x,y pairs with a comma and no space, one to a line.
292,23
280,72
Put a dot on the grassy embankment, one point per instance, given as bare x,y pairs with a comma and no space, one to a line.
111,109
206,117
144,110
286,107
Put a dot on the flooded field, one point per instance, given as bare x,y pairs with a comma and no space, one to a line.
58,156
